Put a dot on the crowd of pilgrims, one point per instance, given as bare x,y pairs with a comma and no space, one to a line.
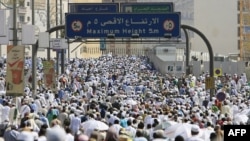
113,98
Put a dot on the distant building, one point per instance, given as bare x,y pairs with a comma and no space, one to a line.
219,28
24,16
244,29
228,35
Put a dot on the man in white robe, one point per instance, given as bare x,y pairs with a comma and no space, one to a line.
13,113
5,112
75,124
226,109
2,85
38,104
24,109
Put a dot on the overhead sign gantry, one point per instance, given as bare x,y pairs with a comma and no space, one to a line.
122,25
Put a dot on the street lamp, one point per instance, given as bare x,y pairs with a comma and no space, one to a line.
14,23
14,3
48,26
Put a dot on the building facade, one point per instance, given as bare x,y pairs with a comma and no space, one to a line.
222,34
228,35
244,29
24,17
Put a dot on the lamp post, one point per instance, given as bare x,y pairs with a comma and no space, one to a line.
14,24
34,54
68,40
60,52
14,16
57,51
48,26
63,51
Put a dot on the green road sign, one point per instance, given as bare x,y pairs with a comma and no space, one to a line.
163,7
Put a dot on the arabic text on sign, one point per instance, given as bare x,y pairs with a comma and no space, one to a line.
100,8
47,64
16,54
94,7
56,43
125,22
151,9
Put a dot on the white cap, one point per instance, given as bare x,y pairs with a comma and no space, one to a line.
195,128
